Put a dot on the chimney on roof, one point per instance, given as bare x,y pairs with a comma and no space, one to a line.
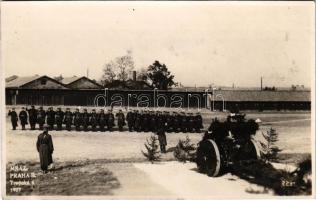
134,75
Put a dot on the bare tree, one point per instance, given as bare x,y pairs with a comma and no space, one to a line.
118,69
125,66
108,73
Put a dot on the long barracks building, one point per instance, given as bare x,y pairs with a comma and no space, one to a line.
81,91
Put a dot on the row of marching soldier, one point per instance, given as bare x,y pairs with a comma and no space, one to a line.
144,120
55,119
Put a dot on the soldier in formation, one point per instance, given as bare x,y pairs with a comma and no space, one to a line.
136,120
68,119
59,116
77,119
41,115
102,120
32,117
23,118
50,118
120,120
172,122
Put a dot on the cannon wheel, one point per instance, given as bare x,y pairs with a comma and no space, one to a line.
208,158
251,151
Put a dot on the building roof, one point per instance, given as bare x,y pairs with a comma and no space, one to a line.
262,96
80,83
20,81
26,81
68,80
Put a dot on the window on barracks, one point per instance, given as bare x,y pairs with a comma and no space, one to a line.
43,82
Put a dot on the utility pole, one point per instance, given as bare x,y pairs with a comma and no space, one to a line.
261,82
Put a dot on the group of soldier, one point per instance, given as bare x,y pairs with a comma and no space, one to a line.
149,120
144,120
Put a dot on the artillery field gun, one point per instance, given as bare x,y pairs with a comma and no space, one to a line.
227,143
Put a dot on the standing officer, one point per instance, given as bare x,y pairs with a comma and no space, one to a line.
32,117
120,120
102,120
110,120
45,149
93,120
77,119
59,117
130,120
162,139
41,118
14,118
85,119
68,119
50,118
23,118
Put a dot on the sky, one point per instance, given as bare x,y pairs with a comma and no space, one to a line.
201,43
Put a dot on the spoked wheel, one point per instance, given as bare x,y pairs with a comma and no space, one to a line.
208,158
251,151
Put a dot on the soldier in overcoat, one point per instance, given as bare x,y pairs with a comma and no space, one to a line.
68,119
153,121
183,122
77,119
130,120
198,122
190,122
23,118
45,149
145,121
162,139
41,115
14,118
110,120
85,119
93,120
32,117
137,123
59,118
102,120
176,122
50,118
168,122
120,120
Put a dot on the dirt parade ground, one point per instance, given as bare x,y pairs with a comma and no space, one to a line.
111,163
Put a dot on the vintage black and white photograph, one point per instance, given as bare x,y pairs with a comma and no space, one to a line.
158,99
